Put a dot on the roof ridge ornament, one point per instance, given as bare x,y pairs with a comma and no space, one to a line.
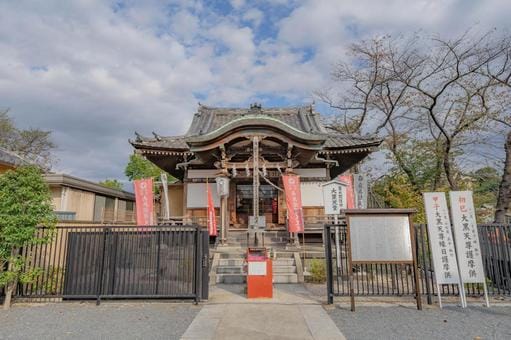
255,108
156,136
139,137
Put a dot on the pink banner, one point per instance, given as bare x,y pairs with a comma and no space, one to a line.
144,201
211,213
293,203
350,192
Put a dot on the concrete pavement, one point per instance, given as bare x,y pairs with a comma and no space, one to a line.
289,315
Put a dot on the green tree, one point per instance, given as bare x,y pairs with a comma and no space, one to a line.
139,167
25,204
112,184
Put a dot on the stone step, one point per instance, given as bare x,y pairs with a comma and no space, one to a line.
229,270
284,269
283,262
285,278
232,255
231,262
231,278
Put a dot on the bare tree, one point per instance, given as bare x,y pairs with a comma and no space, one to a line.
432,87
450,90
34,145
500,72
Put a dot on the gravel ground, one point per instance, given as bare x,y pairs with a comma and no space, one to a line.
399,322
110,320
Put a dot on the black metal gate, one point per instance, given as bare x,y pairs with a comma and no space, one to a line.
122,262
398,280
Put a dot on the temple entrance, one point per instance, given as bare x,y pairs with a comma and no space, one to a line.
268,203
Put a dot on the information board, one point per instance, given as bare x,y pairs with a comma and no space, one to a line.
440,238
380,238
466,236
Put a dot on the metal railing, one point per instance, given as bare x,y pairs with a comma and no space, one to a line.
398,280
118,262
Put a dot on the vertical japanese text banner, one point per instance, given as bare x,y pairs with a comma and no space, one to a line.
350,195
211,220
440,238
466,237
360,184
144,201
293,203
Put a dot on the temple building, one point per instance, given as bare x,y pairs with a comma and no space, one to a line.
251,148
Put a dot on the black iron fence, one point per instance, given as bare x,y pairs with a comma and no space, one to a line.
398,280
119,262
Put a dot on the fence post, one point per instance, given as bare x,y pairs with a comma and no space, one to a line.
425,259
198,264
158,262
329,269
102,267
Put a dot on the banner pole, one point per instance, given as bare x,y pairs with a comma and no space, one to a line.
337,242
486,295
439,295
462,294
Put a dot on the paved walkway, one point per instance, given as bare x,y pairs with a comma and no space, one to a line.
289,315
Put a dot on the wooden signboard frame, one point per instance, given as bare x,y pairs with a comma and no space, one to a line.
375,213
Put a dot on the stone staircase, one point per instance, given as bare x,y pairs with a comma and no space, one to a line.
228,266
287,267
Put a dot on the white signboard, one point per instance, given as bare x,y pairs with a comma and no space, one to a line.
334,197
257,268
380,238
360,187
466,237
440,238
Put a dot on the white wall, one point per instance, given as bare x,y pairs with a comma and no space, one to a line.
196,196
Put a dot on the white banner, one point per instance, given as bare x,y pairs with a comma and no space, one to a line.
334,197
440,238
360,187
466,237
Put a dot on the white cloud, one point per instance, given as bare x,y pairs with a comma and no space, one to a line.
254,15
237,4
95,71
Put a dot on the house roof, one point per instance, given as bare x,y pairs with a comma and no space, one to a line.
209,122
82,184
12,159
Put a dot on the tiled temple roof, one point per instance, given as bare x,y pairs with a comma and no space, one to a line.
208,120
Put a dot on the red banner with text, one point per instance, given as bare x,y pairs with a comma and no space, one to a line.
211,213
350,192
144,201
293,203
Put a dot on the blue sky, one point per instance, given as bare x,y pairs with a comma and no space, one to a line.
95,71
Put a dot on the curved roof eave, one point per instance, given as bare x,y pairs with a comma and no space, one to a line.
256,121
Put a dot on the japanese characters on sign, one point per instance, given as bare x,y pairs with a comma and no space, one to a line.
360,186
334,197
440,238
211,221
467,239
144,201
350,195
294,203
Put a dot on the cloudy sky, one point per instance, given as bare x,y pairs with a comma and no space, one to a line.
94,71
